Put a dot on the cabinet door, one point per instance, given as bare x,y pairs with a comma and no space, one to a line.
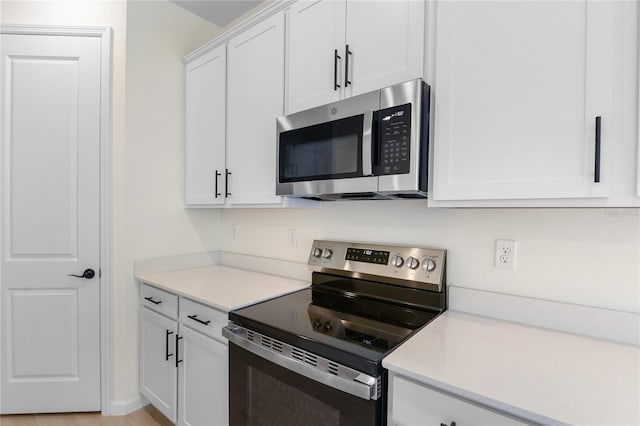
413,404
205,129
386,43
255,98
203,380
158,381
316,43
518,87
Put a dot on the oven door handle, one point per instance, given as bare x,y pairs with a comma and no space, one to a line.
351,381
367,144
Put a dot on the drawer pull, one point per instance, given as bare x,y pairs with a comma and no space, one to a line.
444,424
195,318
155,302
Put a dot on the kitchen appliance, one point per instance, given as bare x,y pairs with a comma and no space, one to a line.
370,146
315,356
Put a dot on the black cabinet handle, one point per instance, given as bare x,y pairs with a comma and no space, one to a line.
596,172
166,345
444,424
336,86
227,173
217,175
178,361
88,274
347,52
196,319
155,302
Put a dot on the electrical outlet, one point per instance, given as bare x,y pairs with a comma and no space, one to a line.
505,256
292,237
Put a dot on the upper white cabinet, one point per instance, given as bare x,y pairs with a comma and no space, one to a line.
518,89
338,49
255,88
205,122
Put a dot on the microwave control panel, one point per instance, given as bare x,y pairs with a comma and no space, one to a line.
394,140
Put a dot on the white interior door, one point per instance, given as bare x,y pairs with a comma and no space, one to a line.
50,158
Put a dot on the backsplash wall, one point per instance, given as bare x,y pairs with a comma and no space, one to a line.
588,257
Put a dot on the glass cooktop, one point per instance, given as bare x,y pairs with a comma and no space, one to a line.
332,324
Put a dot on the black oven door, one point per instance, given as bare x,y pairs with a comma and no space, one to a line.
264,393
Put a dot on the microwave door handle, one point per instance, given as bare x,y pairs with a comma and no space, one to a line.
367,144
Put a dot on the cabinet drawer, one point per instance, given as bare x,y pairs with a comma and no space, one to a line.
202,318
159,300
414,404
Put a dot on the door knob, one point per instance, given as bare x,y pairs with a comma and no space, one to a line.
88,274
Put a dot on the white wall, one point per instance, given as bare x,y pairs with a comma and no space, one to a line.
150,39
584,256
159,35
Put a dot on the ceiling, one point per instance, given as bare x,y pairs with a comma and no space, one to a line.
219,12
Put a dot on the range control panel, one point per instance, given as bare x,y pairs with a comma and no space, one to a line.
408,266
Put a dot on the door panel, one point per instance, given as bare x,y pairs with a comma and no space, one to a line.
255,88
316,30
158,382
49,175
203,380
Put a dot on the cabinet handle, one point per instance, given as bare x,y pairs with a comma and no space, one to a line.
347,53
178,361
336,86
444,424
155,302
166,345
596,172
196,319
217,175
227,173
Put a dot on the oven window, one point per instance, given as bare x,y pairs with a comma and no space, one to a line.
330,150
262,393
276,403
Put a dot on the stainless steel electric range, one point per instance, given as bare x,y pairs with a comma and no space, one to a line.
314,357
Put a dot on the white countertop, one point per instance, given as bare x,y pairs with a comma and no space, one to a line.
537,374
223,287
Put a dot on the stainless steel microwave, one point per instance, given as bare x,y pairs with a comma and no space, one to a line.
370,146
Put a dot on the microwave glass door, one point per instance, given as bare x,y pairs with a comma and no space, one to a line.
331,150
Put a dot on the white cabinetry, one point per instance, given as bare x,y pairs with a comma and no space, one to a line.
338,49
255,82
205,129
414,404
157,365
183,359
518,87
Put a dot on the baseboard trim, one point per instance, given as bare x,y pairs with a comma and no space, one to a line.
122,408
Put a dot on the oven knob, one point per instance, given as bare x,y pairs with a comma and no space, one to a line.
316,252
317,323
326,253
412,262
327,326
397,261
428,265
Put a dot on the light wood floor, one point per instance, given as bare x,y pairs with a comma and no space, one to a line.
147,416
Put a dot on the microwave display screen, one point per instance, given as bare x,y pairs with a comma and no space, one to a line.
330,150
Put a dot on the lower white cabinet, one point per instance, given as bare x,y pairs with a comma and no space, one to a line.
414,404
157,361
202,380
184,373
